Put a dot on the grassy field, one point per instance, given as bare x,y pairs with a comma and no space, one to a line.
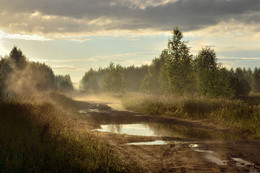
240,114
38,136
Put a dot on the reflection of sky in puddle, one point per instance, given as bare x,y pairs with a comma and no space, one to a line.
158,142
208,155
129,129
160,129
91,110
243,163
211,157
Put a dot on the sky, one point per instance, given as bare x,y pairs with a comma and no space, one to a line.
71,36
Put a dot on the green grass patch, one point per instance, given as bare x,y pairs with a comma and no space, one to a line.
240,114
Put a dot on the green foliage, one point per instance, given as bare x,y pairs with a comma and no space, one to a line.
243,115
205,65
134,76
153,80
40,75
175,72
63,83
18,58
90,81
178,65
218,84
128,78
256,80
206,60
212,81
240,86
21,77
114,79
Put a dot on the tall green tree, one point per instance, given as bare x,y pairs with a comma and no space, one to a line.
63,83
206,59
89,82
240,86
21,77
219,83
134,76
114,79
213,81
153,81
205,65
17,56
178,65
256,80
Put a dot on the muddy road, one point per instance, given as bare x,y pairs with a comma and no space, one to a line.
161,144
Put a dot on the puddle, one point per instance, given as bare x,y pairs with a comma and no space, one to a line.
245,164
82,112
91,110
158,142
129,129
213,159
241,162
208,155
166,130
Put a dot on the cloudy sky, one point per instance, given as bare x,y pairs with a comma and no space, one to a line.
73,35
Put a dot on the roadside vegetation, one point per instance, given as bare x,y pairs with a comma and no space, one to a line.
40,129
42,136
240,114
180,84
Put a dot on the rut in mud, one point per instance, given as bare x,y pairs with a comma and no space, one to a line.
159,144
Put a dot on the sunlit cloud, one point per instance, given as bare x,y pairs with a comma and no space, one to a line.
98,58
4,35
3,51
54,18
230,27
135,62
239,58
67,67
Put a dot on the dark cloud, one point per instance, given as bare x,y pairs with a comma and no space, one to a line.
70,16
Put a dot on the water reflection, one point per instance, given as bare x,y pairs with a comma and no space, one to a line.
129,129
208,155
157,142
165,130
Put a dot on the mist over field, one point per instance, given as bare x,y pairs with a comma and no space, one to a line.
179,98
113,86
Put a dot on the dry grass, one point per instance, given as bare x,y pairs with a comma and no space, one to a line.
241,114
37,137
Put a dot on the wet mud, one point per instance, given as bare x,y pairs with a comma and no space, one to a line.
161,144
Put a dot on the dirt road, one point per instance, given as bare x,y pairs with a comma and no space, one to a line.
183,145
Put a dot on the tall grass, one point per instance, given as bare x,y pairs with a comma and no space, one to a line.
36,137
243,115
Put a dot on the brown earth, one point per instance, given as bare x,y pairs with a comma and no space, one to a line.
178,156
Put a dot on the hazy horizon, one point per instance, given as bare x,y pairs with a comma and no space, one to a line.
73,37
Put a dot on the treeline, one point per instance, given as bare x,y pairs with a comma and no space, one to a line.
20,77
175,72
114,78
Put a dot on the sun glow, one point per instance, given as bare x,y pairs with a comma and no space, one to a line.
3,51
